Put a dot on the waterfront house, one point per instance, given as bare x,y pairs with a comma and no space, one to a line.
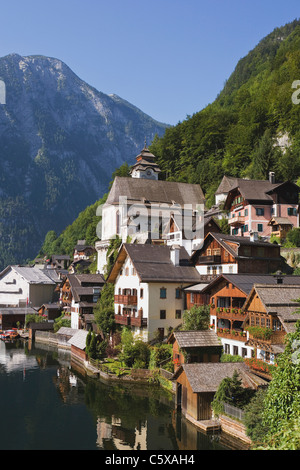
141,207
195,346
253,203
222,254
196,385
270,314
227,295
79,295
149,281
22,286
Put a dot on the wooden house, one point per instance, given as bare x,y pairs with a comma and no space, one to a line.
270,314
227,295
195,346
230,254
196,385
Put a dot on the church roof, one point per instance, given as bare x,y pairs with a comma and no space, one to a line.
152,191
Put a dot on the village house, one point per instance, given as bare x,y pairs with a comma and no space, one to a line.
79,295
227,295
22,286
231,254
253,203
82,251
140,207
195,346
149,281
271,312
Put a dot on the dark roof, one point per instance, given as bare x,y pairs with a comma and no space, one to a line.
227,183
152,191
153,264
245,282
195,339
257,190
83,284
280,300
226,242
206,377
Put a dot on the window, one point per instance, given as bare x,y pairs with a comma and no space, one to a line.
178,314
244,352
260,211
246,214
163,293
292,211
178,293
162,315
260,227
141,293
126,271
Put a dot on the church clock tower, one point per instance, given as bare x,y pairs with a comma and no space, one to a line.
145,166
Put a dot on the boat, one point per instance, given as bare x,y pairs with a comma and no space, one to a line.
9,335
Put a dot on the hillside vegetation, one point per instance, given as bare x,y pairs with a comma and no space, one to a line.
240,132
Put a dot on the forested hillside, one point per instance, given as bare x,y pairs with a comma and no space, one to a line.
251,128
239,133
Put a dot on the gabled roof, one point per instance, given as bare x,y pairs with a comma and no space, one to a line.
164,192
153,264
245,282
256,190
206,377
83,284
280,300
31,274
227,183
195,339
79,339
226,241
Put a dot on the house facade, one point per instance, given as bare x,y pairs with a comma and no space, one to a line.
228,254
253,203
228,294
270,314
22,286
78,296
149,281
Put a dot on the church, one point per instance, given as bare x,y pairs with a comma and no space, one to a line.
144,209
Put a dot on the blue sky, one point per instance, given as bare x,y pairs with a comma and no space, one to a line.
170,58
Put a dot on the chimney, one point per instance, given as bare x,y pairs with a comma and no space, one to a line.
253,236
272,177
175,254
279,277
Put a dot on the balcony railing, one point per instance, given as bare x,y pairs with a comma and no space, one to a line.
230,313
131,321
232,334
214,259
126,299
238,220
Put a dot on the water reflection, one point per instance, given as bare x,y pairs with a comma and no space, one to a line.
57,407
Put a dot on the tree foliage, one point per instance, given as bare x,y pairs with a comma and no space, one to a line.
197,318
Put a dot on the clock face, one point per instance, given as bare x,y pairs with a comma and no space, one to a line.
149,172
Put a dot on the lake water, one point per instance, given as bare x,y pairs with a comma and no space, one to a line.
48,405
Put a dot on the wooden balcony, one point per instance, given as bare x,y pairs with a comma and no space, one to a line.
232,334
122,320
277,337
214,259
126,299
131,321
234,314
236,221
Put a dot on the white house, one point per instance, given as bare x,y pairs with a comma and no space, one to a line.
149,281
26,285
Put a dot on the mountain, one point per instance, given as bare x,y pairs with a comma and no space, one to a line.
251,128
60,142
